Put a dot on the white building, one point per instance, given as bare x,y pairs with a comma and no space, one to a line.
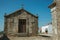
48,28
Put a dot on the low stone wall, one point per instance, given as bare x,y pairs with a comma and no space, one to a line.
31,38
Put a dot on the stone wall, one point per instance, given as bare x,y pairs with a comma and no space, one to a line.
31,38
58,17
12,23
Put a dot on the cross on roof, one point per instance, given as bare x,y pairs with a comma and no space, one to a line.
22,6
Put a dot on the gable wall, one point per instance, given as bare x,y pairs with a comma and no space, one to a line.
12,23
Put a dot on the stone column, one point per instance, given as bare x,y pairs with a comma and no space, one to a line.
58,17
54,20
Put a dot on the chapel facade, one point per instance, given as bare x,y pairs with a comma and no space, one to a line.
21,23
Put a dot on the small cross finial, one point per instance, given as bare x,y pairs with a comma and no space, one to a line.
37,14
5,14
22,6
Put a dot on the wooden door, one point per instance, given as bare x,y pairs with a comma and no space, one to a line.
22,26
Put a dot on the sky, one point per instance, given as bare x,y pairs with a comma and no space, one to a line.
35,7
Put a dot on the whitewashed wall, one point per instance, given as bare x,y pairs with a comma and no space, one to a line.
48,27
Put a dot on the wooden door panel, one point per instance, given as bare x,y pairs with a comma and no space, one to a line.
22,26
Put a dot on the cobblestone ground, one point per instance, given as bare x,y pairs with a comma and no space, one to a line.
31,38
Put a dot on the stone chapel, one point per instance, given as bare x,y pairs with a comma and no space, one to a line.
21,23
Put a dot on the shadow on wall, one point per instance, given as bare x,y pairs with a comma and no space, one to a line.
4,37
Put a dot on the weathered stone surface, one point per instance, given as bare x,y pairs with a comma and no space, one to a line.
56,18
31,38
12,22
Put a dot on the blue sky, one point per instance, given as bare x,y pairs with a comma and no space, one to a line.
39,7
